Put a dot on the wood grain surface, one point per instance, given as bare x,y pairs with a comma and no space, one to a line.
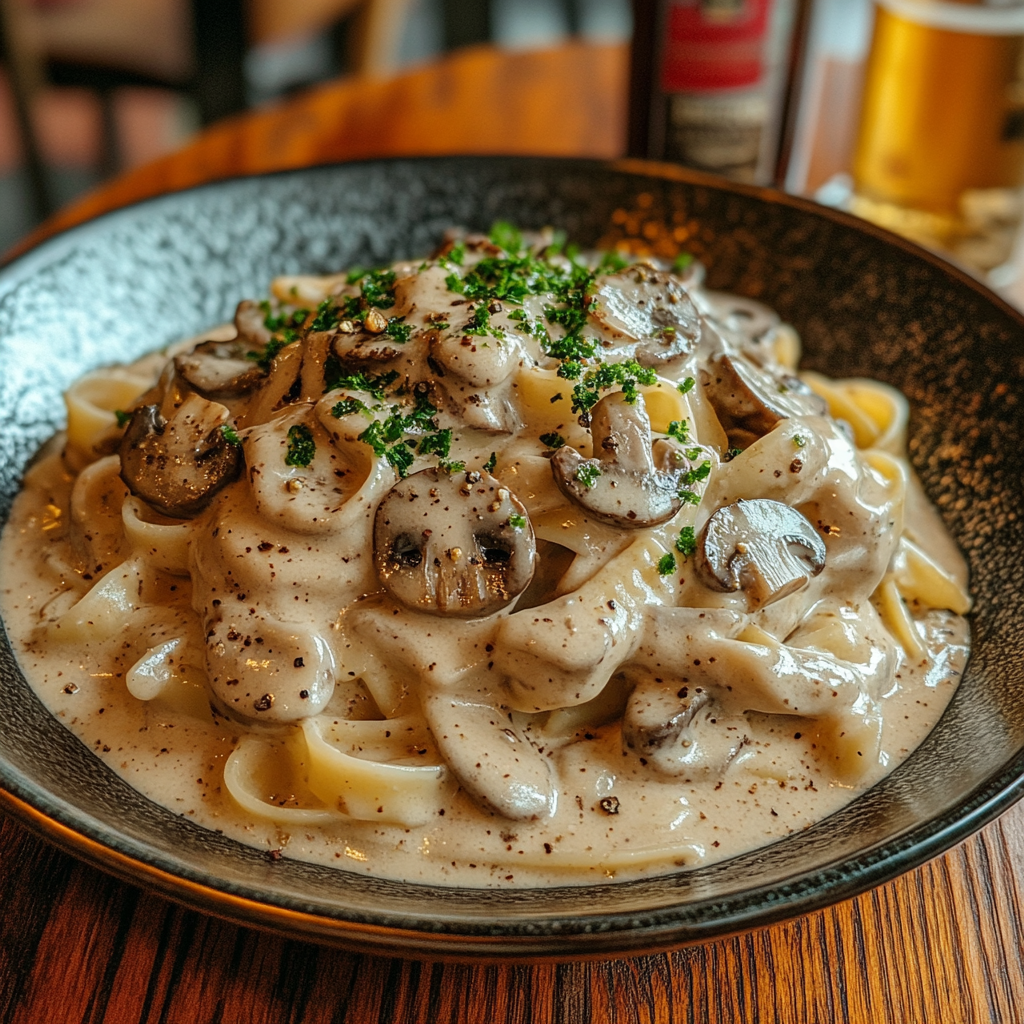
942,945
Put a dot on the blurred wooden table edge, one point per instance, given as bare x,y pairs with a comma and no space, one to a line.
568,101
942,943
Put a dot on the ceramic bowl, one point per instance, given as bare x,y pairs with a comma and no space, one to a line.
865,303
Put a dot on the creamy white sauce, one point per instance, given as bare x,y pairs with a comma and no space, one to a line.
126,628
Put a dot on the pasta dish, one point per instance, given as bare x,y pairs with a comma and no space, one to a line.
511,566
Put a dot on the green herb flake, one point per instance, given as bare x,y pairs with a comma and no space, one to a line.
337,377
686,385
688,497
355,275
680,430
491,462
439,444
553,440
266,357
732,453
587,474
122,417
682,262
480,325
517,521
667,564
378,288
612,263
230,434
398,330
326,316
694,476
686,542
799,440
347,406
506,236
301,446
629,375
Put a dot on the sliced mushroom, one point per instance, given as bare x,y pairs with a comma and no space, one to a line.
650,307
456,544
495,763
220,369
656,716
684,730
762,547
250,322
629,482
177,465
365,349
750,402
482,362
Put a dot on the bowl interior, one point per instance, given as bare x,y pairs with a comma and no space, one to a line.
865,306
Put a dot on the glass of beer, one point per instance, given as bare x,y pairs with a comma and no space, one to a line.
940,151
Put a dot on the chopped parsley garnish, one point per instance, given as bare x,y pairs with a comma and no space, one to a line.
680,430
628,375
398,330
335,377
480,325
282,321
667,564
506,236
688,497
553,440
731,454
230,434
122,417
799,440
686,542
693,476
347,406
612,263
388,437
326,316
517,521
456,254
439,444
685,386
378,288
266,357
491,462
682,261
355,275
587,474
301,446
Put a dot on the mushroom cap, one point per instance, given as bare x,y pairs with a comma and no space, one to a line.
219,369
178,465
650,307
448,544
632,482
750,402
762,547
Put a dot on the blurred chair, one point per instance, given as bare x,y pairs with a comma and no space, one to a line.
196,47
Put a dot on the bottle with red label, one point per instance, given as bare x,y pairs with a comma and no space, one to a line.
708,83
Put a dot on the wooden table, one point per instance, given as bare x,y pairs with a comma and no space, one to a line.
943,944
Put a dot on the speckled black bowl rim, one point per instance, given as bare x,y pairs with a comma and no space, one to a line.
588,933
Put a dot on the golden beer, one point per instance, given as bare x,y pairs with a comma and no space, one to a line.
940,152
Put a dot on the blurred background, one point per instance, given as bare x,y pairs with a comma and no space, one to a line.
908,112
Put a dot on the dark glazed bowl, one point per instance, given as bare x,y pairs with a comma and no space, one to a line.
866,305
